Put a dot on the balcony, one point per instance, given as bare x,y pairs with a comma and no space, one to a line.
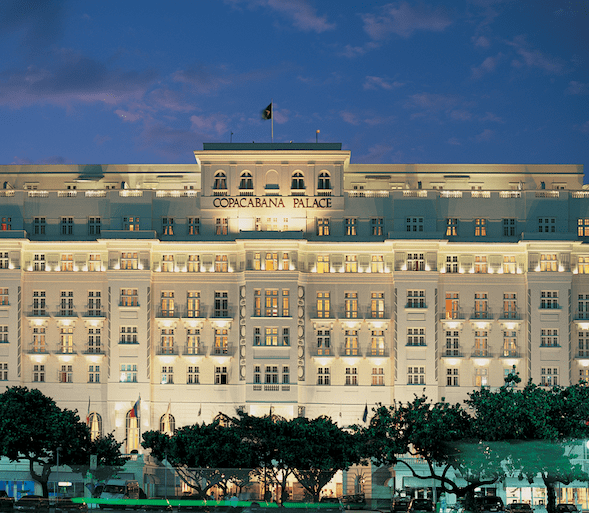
322,351
510,353
449,315
478,352
349,352
166,350
66,350
377,352
94,314
224,350
37,349
94,350
38,312
511,315
315,313
415,305
169,313
452,353
581,316
194,350
223,313
383,314
481,315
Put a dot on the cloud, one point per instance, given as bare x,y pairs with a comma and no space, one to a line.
489,116
481,41
170,142
203,80
377,153
208,125
357,51
460,115
432,102
487,66
404,19
300,14
454,141
577,88
377,83
484,136
535,58
167,99
350,118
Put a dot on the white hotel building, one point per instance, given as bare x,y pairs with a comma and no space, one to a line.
284,277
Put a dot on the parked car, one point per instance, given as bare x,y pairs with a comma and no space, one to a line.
6,502
34,503
518,507
421,506
566,508
65,505
400,504
489,504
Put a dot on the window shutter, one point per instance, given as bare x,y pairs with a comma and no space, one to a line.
565,261
15,259
310,262
364,262
495,262
400,260
337,262
466,263
431,261
533,262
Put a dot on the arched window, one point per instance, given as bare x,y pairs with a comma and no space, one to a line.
95,425
324,181
298,180
220,181
167,424
132,432
246,182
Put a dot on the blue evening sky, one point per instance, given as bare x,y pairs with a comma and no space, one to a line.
455,81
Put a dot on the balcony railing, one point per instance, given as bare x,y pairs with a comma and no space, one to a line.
194,350
226,350
452,353
164,350
481,314
93,350
448,315
168,312
580,316
480,353
515,315
37,349
66,350
315,313
223,313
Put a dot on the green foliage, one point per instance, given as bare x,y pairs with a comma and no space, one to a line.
110,460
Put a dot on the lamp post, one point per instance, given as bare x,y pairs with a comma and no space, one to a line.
58,450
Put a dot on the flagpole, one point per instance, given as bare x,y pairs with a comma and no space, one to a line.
272,116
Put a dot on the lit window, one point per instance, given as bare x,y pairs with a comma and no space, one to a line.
130,224
377,376
193,225
66,340
167,341
221,225
94,263
351,305
322,226
4,296
168,422
193,264
6,224
480,264
193,304
451,227
220,341
509,305
510,343
351,264
377,226
480,227
129,260
509,264
481,343
192,341
168,263
67,262
351,342
548,262
377,343
323,342
350,226
583,227
481,305
285,303
377,310
271,262
481,377
129,297
167,226
38,339
323,264
583,264
377,264
323,304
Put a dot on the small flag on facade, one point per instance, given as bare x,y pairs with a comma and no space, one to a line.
135,410
200,409
88,414
365,416
267,112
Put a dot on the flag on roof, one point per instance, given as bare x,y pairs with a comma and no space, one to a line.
267,112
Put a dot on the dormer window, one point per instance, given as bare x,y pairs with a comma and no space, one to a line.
220,182
246,182
298,181
324,182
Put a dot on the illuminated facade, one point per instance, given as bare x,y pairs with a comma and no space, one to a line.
283,278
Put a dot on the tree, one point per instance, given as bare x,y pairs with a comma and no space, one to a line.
34,429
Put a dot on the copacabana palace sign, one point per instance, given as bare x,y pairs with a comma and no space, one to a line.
289,202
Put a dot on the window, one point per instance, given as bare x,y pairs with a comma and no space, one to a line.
94,225
452,377
377,305
246,182
416,375
221,376
167,226
377,226
480,264
451,263
547,224
66,374
94,374
323,342
221,264
481,305
94,303
324,181
583,337
351,376
285,336
193,304
257,337
167,375
549,338
583,264
167,423
350,224
66,340
129,260
39,262
481,343
509,305
285,303
414,224
167,341
583,306
510,343
584,376
39,303
129,335
271,374
3,371
271,262
257,374
416,299
66,304
509,226
221,304
548,262
285,374
323,304
4,261
285,262
323,263
4,296
94,263
220,181
38,339
323,376
549,299
351,264
38,373
351,343
39,225
129,297
351,305
583,227
377,343
322,226
480,227
509,264
3,334
221,225
549,377
128,373
192,341
416,336
193,375
481,377
67,262
257,303
298,181
415,262
168,263
271,337
131,431
377,264
451,227
94,342
193,264
131,224
67,226
272,224
377,376
452,305
193,225
452,344
167,303
220,341
6,224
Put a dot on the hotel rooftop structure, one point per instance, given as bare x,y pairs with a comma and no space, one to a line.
284,278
